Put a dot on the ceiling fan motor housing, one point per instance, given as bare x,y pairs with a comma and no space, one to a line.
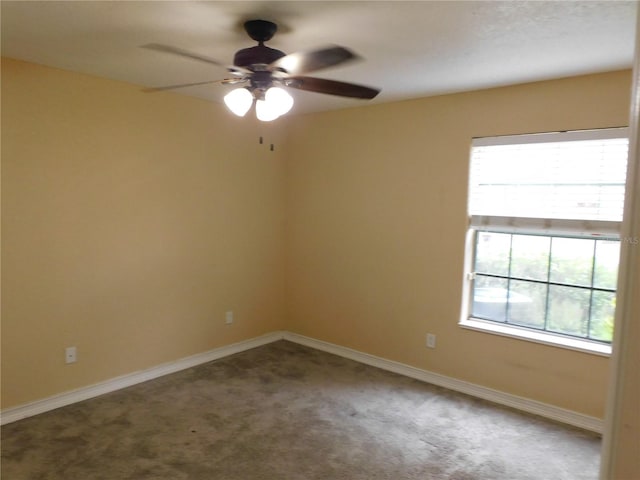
260,31
258,55
260,82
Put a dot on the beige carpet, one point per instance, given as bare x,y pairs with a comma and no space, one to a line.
284,411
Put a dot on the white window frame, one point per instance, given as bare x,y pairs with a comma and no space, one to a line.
559,227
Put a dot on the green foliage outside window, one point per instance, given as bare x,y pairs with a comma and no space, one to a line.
558,284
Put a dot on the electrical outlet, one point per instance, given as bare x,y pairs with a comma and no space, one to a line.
228,319
431,340
70,355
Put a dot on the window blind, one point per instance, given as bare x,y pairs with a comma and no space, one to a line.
567,175
544,226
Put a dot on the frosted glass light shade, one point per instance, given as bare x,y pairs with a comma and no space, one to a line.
276,102
280,98
239,101
266,111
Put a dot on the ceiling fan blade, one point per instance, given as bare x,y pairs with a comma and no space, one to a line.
183,53
195,56
233,81
332,87
305,62
181,85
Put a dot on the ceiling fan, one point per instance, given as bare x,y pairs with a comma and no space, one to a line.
263,71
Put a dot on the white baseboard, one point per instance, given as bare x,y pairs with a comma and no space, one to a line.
520,403
67,398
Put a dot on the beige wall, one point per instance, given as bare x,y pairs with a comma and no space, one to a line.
376,220
131,222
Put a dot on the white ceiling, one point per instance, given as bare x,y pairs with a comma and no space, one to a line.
410,49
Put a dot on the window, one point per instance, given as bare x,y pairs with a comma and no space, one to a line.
543,244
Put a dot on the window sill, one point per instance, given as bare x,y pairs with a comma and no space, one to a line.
545,338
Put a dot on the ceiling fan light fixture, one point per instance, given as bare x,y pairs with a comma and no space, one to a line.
260,67
239,101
